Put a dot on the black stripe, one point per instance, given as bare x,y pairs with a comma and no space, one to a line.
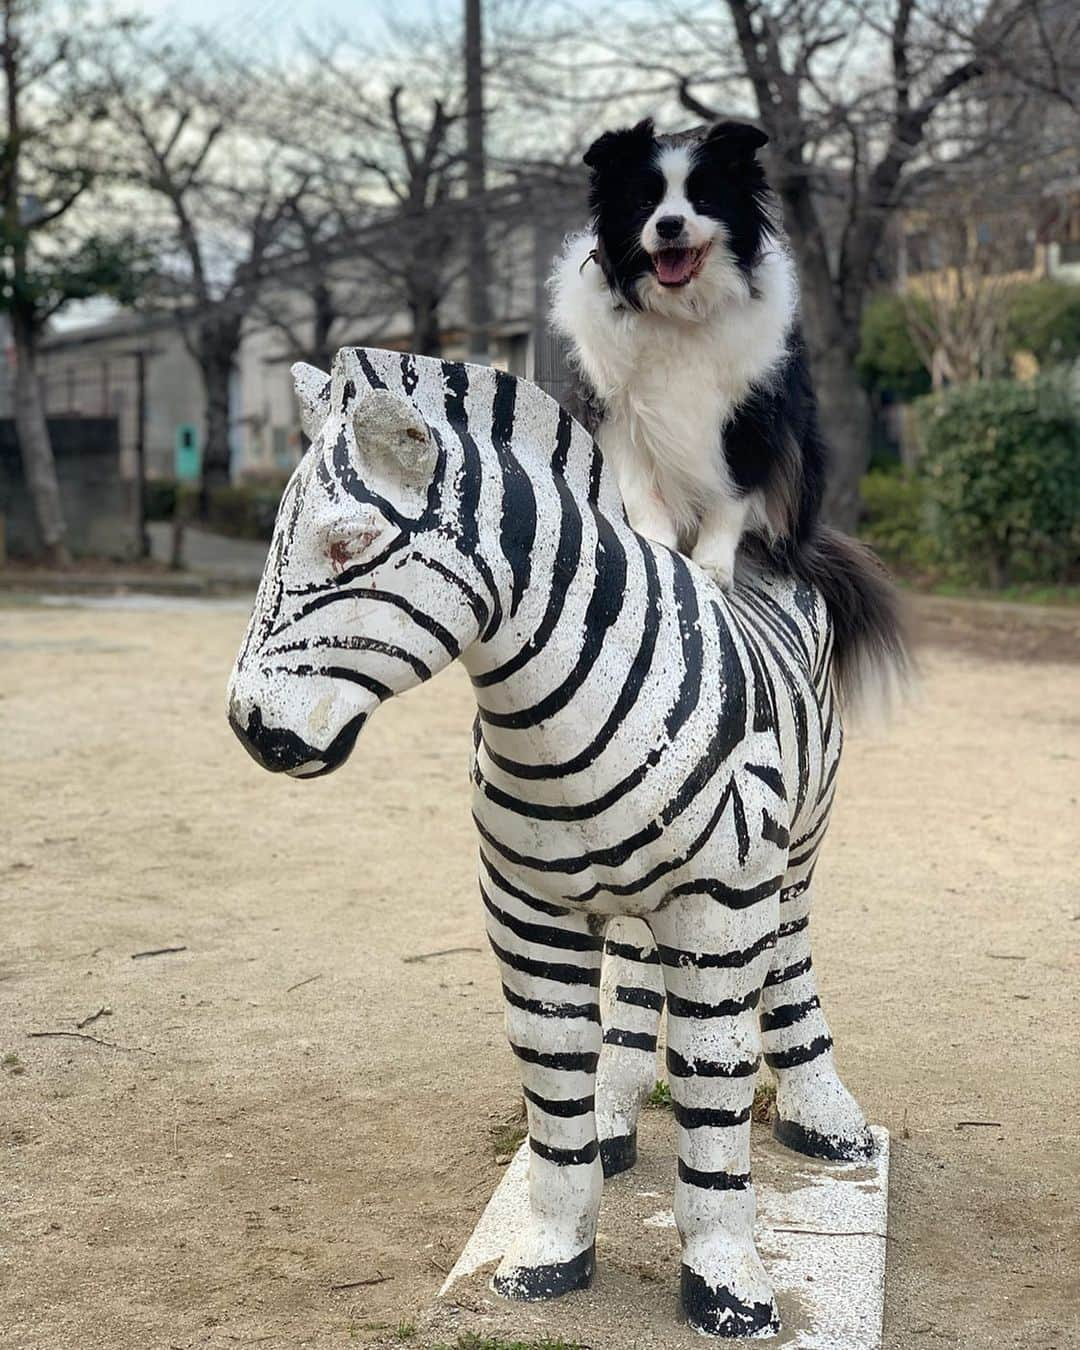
567,563
787,1014
773,831
769,776
799,1054
627,698
547,970
795,926
565,1157
676,956
381,691
472,598
533,902
640,998
601,614
647,956
442,635
731,896
729,1007
589,1012
585,810
518,524
704,1068
684,594
791,972
541,933
713,1181
566,1060
559,1106
664,868
353,643
711,1117
790,893
630,1040
470,485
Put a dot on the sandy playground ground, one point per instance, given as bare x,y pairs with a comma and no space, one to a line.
283,1133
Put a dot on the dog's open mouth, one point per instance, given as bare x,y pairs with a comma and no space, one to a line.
677,266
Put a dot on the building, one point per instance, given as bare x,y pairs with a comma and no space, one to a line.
92,370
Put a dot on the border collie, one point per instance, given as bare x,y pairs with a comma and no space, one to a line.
681,309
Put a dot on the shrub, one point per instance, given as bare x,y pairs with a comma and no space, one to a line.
1044,319
888,361
1001,479
893,521
245,511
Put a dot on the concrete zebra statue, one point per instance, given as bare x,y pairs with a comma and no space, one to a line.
648,751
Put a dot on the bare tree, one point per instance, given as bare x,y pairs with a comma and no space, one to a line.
847,134
864,102
224,198
52,111
965,253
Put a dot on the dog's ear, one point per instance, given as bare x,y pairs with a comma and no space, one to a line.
613,146
735,140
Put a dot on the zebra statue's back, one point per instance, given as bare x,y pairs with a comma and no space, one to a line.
653,771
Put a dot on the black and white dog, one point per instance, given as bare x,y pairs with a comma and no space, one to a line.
681,309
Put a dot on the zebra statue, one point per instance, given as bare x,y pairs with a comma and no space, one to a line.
653,771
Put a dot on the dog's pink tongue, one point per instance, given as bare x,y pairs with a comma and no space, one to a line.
674,266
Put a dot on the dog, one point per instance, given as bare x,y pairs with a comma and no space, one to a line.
680,308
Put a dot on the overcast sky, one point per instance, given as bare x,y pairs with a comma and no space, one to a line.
273,22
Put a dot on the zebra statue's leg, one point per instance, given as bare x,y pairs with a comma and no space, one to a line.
549,961
714,961
815,1113
631,1002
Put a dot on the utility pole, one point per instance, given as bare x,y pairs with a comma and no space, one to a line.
479,317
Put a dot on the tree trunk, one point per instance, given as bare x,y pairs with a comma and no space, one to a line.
844,412
843,404
324,313
218,345
216,470
426,337
39,466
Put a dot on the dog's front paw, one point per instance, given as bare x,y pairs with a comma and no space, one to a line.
721,569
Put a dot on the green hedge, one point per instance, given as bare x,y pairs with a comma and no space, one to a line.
1044,319
247,511
244,511
893,521
888,361
1001,479
159,498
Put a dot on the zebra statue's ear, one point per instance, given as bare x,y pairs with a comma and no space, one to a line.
313,395
389,428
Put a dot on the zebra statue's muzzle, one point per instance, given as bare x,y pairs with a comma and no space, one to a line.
280,750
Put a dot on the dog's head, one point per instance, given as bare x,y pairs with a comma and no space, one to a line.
681,220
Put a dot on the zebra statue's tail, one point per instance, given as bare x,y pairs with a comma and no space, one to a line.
872,664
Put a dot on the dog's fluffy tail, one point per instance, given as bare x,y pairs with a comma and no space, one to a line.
872,662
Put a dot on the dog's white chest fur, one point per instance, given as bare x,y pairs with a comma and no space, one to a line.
669,381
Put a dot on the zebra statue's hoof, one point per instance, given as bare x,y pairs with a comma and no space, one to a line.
528,1284
858,1147
720,1311
618,1154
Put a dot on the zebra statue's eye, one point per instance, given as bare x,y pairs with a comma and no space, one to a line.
346,542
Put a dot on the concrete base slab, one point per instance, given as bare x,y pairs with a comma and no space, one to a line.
821,1232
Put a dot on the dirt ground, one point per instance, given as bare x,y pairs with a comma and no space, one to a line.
283,1133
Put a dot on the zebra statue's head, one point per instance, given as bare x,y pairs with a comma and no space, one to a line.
366,590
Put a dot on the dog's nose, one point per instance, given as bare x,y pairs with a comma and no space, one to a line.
669,227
